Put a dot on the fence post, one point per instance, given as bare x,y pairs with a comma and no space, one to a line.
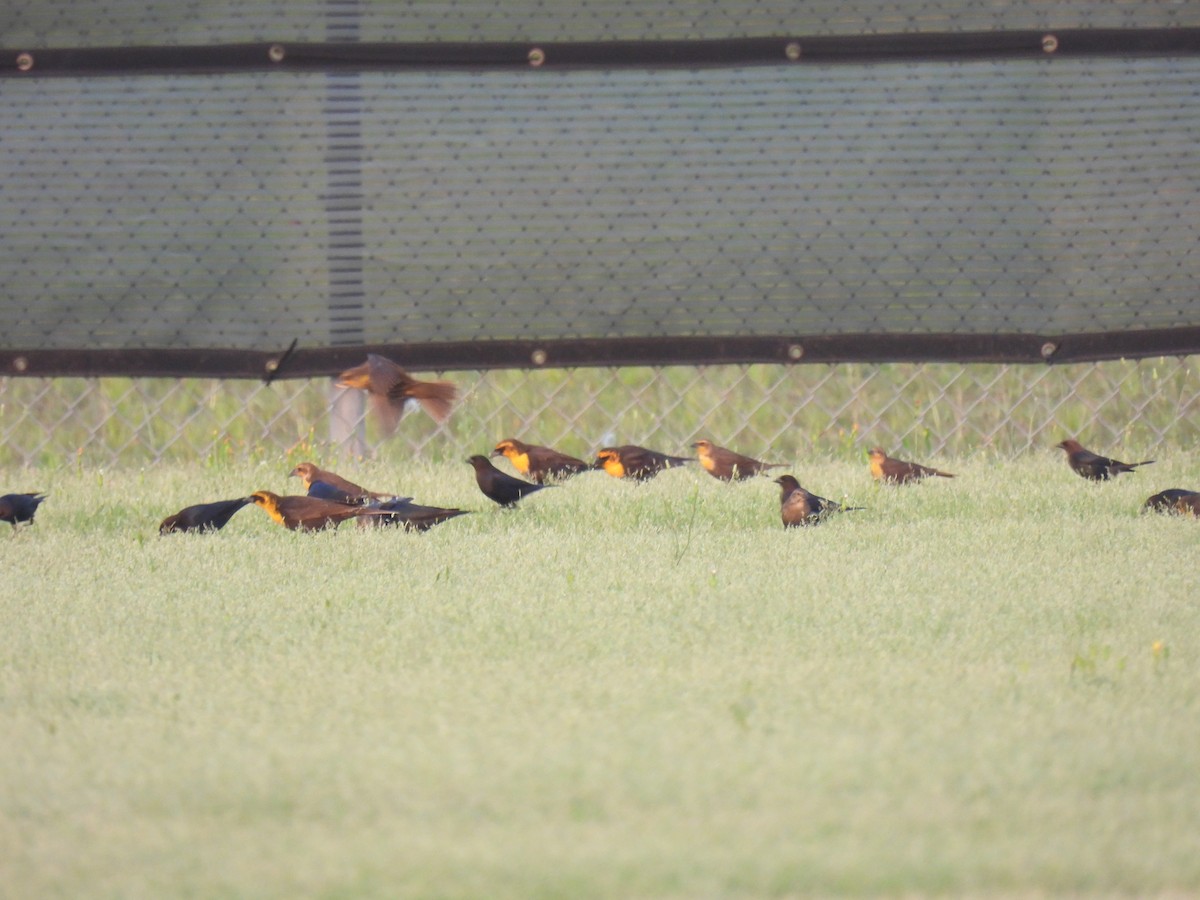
347,430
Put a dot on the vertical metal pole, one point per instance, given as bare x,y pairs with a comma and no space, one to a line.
346,427
343,210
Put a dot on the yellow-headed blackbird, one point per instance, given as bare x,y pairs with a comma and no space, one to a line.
500,486
1174,500
539,463
351,492
17,508
638,463
727,465
410,516
389,386
798,507
203,516
308,513
897,471
1094,467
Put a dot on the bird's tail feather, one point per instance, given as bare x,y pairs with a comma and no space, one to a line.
436,397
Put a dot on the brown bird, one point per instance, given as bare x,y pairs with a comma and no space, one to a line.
798,507
537,462
897,471
308,513
1094,467
727,465
203,516
309,474
638,463
500,486
389,387
1174,500
17,508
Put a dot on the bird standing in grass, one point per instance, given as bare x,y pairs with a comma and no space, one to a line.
410,516
390,387
798,507
1174,500
500,486
728,465
203,516
308,513
350,492
537,462
897,471
18,508
638,463
1092,466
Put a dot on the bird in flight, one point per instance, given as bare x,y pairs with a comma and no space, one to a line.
390,387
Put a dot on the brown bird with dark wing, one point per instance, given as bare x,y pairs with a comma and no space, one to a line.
1174,500
203,516
389,387
638,463
1095,467
500,486
897,471
309,473
728,465
799,508
18,508
537,462
308,513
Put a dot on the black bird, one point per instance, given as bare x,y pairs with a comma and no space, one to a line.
500,486
203,516
1174,500
798,507
1093,466
17,508
410,516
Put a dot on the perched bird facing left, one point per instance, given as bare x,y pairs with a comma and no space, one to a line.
638,463
18,508
537,462
308,513
500,486
727,465
897,471
1174,500
203,516
389,387
1092,466
798,507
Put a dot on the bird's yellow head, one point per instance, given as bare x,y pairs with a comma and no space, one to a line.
269,502
515,452
359,377
610,461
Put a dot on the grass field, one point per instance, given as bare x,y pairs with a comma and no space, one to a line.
986,686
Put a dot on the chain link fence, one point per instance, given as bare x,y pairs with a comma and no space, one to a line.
785,411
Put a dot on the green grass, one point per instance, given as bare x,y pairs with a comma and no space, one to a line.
980,686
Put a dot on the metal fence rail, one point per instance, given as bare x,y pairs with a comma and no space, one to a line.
794,411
